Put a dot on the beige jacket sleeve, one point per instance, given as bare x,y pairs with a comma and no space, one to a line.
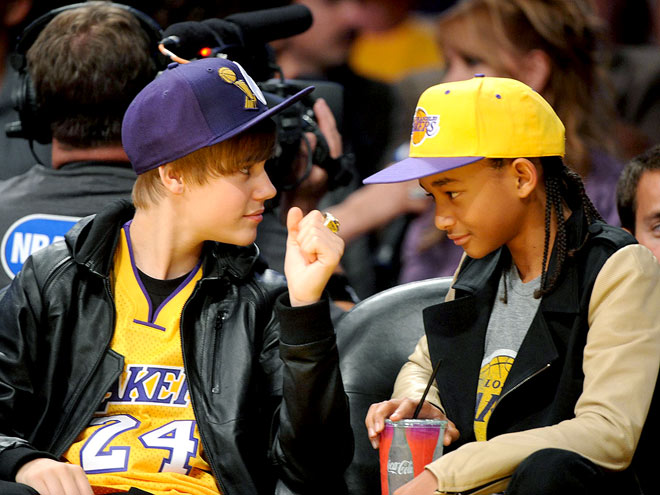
621,362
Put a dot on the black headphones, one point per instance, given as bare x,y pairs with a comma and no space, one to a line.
32,125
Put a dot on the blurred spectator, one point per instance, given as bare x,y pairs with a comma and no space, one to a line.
552,47
633,58
168,12
83,98
15,153
394,42
629,22
638,198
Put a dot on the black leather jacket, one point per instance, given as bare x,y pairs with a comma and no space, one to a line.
265,387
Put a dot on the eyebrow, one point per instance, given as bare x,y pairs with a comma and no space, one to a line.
651,216
442,182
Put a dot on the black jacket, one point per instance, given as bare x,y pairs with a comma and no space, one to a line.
269,403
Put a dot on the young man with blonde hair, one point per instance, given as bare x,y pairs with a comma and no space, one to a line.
151,350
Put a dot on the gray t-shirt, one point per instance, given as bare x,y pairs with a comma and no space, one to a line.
512,314
510,321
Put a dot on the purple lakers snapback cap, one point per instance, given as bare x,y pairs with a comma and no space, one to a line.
461,122
191,106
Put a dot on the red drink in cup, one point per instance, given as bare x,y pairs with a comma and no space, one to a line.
407,446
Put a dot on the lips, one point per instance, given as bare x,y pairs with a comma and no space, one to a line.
459,239
256,215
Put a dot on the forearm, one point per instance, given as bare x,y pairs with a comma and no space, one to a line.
362,211
314,409
375,205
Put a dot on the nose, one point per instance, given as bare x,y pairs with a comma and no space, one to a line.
443,220
265,188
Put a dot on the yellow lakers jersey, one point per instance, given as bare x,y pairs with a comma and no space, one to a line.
144,433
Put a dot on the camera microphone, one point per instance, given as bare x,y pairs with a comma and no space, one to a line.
266,25
237,30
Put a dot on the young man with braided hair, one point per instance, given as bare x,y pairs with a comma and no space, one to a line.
549,340
152,350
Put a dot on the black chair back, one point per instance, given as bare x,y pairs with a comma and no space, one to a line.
374,340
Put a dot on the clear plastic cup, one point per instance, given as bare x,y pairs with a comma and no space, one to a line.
406,446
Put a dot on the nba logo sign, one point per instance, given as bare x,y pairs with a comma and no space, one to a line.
29,234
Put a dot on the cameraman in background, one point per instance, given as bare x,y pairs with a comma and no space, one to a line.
86,64
369,112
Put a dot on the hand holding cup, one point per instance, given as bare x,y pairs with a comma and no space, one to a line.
398,409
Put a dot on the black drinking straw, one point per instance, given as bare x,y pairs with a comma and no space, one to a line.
428,387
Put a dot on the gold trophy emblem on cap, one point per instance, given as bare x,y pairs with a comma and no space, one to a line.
229,76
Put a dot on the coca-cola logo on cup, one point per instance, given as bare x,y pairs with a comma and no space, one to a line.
402,467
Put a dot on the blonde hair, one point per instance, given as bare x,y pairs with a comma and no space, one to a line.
567,31
224,158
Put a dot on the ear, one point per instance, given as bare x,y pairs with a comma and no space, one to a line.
535,68
171,179
526,176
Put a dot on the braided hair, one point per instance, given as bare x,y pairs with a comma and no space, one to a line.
561,185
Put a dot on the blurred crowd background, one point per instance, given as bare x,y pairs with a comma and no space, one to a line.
596,61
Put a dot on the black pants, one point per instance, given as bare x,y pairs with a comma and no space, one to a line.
556,471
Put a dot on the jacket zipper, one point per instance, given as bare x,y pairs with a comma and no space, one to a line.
220,320
536,373
209,455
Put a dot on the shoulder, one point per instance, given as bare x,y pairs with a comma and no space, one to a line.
25,182
633,261
44,264
35,280
629,277
611,235
604,240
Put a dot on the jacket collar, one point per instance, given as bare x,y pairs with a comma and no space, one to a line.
93,240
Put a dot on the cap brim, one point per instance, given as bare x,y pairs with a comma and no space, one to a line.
285,103
416,168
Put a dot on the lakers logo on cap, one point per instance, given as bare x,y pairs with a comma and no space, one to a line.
424,126
229,76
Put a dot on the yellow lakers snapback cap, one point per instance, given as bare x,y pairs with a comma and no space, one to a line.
461,122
